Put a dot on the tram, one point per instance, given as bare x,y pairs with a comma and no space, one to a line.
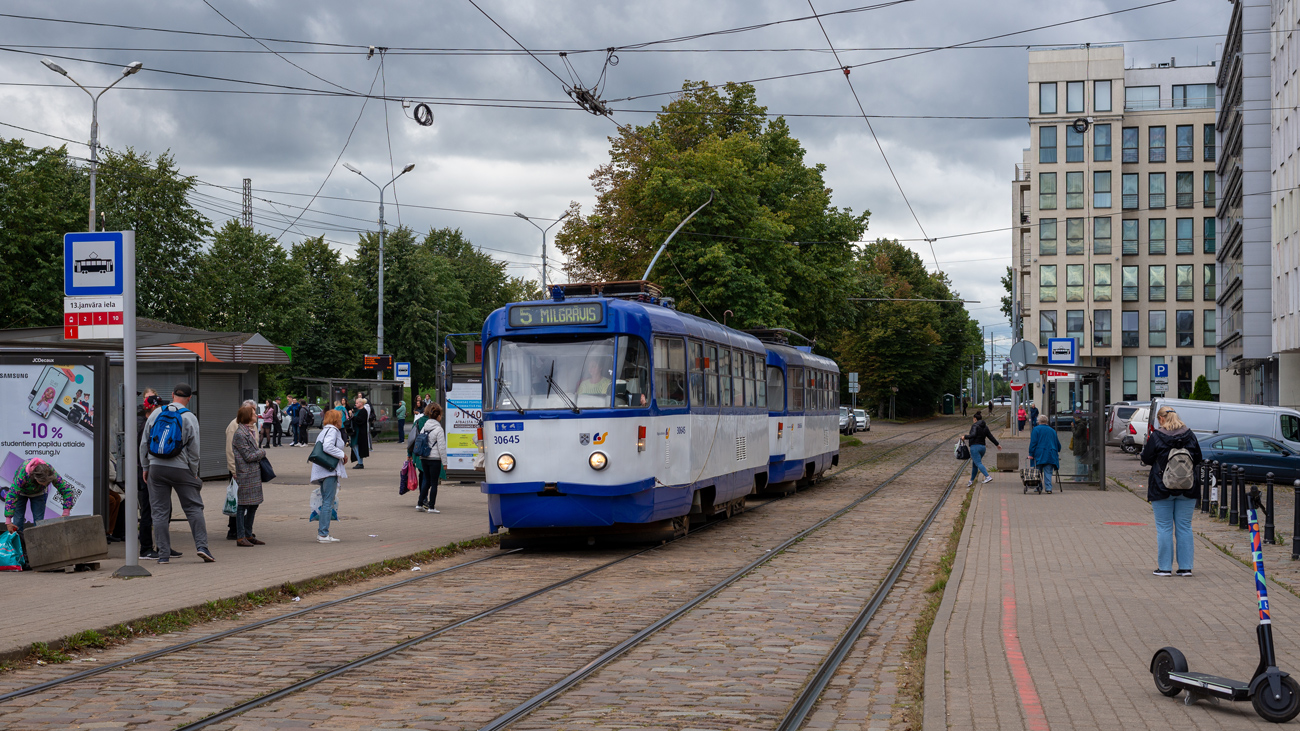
606,412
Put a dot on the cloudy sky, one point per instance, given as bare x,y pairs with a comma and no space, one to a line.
506,138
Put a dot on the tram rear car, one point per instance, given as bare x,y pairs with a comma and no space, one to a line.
803,424
606,416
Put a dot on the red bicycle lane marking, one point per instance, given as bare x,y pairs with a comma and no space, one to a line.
1029,700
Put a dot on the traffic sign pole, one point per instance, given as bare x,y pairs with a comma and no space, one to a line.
131,440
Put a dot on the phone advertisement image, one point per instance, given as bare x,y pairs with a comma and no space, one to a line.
56,403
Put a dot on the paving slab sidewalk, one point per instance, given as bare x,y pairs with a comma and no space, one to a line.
1056,616
375,524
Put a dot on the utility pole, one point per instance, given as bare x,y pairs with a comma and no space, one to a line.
379,335
248,203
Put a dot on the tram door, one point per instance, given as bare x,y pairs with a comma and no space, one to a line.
1081,430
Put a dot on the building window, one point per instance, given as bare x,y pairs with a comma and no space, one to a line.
1208,142
1101,283
1208,282
1184,137
1183,236
1156,283
1130,377
1130,235
1186,193
1156,328
1184,290
1129,283
1184,376
1208,235
1208,324
1047,144
1101,235
1074,236
1074,326
1074,97
1130,144
1101,143
1140,98
1073,145
1193,96
1047,98
1101,96
1185,322
1046,326
1073,282
1074,190
1129,191
1101,189
1155,190
1155,144
1129,329
1212,375
1155,236
1047,191
1207,198
1101,328
1047,283
1047,237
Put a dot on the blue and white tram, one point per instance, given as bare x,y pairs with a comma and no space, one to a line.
605,416
803,423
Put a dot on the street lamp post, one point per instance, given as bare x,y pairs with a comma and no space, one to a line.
379,335
543,230
94,121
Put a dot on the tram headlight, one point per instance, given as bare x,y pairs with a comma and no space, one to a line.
598,460
505,463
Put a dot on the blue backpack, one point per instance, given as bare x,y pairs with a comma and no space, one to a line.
422,447
167,435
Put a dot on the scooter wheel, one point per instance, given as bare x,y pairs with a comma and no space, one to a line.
1281,709
1165,661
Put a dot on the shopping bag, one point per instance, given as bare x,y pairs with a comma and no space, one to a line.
11,552
315,502
405,479
232,498
961,452
443,475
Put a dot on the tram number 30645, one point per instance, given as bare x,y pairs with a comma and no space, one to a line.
506,439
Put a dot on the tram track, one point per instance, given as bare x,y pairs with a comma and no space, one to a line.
343,668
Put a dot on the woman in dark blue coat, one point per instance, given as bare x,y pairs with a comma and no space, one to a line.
1045,451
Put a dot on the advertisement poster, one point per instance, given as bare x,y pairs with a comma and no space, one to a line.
52,411
464,413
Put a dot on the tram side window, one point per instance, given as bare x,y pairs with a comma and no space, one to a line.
724,376
711,368
776,388
751,396
760,381
632,388
744,388
670,372
795,399
821,391
698,369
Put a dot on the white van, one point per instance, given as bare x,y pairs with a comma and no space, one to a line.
1211,417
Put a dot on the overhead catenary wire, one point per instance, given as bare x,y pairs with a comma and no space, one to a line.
281,57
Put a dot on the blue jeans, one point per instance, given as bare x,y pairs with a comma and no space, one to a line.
329,487
1174,519
977,461
1047,476
401,430
20,509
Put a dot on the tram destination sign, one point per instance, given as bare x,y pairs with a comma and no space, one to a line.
589,313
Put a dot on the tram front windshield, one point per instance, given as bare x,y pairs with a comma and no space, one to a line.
585,373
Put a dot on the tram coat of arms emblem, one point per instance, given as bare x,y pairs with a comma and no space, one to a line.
584,439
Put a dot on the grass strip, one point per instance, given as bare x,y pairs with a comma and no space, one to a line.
63,650
911,681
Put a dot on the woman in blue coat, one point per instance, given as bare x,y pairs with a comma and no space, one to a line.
1045,451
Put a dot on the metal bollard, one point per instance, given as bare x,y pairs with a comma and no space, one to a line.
1295,525
1223,491
1242,523
1232,488
1269,534
1203,472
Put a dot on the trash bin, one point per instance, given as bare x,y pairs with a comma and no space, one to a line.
949,404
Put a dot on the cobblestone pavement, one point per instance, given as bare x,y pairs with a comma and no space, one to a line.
462,676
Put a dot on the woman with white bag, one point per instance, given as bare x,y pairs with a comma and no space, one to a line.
330,443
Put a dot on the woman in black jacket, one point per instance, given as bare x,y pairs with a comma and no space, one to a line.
1172,508
979,432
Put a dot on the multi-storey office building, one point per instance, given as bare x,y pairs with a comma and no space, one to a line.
1114,204
1284,195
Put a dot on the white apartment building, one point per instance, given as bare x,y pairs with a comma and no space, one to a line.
1113,208
1284,244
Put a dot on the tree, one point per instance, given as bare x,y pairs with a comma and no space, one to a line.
152,199
482,278
333,338
249,284
1201,391
43,195
742,251
1007,304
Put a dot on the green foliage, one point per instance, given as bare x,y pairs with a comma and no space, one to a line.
334,337
1201,391
249,284
1006,299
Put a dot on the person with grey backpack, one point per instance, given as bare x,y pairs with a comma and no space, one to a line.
1174,455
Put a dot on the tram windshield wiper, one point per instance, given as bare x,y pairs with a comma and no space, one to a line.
501,384
550,383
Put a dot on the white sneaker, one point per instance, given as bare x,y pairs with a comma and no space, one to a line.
433,510
972,482
988,479
327,539
419,508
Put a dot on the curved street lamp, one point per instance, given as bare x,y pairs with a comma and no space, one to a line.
379,336
543,230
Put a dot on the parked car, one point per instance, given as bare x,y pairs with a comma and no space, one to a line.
1002,400
846,421
1258,454
1211,417
1137,429
1117,420
863,422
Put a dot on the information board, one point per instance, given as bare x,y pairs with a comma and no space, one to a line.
464,414
377,362
583,313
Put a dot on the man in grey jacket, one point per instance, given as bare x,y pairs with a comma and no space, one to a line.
179,473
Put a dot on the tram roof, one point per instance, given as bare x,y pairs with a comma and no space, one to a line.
795,357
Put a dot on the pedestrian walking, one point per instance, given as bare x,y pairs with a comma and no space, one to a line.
1021,415
1033,413
979,433
294,410
169,456
361,431
401,421
428,447
148,403
1045,451
331,441
963,405
1174,455
248,475
30,487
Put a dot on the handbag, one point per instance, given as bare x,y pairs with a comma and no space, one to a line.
320,457
268,474
232,498
11,552
962,452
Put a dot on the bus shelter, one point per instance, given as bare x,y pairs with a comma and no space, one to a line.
383,397
1079,419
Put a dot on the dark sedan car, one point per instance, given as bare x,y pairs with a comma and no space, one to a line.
1259,455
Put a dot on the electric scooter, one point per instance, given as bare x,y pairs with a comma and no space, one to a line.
1275,694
